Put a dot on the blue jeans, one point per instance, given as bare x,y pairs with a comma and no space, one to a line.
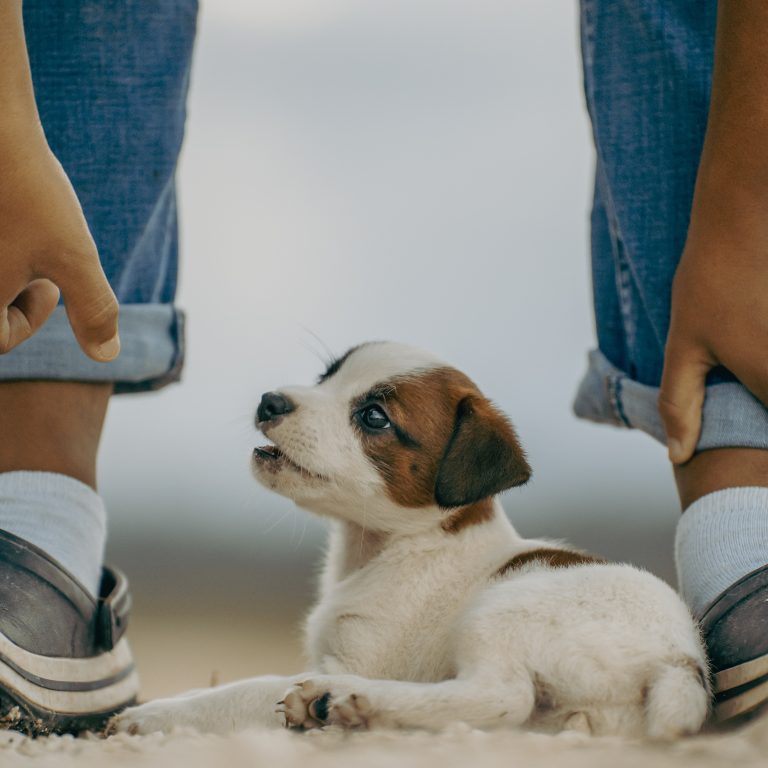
110,80
647,79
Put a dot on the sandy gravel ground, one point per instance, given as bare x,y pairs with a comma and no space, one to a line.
177,651
457,746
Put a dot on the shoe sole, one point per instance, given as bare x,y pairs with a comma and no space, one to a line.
44,694
740,689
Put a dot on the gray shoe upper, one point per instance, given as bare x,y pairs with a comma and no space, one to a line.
735,626
45,610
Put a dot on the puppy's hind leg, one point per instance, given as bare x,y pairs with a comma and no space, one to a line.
482,702
354,702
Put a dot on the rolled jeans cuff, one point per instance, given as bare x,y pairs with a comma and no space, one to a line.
731,417
151,355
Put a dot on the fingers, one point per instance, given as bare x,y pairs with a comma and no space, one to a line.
755,379
28,311
91,305
681,398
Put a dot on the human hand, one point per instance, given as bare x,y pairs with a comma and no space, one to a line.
46,247
719,316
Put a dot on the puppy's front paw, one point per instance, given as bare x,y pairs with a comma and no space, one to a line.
315,703
305,705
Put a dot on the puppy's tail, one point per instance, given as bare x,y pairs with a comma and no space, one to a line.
678,700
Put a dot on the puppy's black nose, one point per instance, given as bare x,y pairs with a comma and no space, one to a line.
272,405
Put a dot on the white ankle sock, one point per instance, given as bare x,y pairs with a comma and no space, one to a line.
60,515
720,538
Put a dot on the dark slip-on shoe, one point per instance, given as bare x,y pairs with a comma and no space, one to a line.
735,629
65,666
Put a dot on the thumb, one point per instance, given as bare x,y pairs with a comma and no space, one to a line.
91,305
681,398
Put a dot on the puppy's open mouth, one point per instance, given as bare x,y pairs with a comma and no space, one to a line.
268,453
272,457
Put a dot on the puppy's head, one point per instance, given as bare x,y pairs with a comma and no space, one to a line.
390,438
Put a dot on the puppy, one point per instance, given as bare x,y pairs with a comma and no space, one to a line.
431,607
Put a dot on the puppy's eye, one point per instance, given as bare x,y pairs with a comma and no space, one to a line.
374,417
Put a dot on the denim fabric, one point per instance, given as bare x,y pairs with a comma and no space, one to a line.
151,352
731,415
111,80
647,79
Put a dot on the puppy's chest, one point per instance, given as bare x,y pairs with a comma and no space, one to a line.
395,630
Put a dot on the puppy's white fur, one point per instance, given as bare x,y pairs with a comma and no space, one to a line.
415,628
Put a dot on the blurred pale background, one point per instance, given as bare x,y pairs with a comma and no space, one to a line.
416,170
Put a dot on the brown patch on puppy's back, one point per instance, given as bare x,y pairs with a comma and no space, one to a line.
552,558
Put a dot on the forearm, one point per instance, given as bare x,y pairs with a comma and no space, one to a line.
719,308
731,195
17,98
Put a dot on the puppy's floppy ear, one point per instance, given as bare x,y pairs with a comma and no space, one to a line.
483,456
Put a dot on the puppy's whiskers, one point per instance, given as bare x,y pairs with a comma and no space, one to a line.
240,418
303,531
363,529
279,520
329,355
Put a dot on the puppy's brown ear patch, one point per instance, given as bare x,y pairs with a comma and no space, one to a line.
483,456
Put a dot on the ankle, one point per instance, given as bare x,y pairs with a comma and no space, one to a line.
52,426
719,469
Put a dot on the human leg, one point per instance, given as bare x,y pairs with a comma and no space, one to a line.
64,664
110,84
52,426
724,493
718,469
720,549
48,471
648,69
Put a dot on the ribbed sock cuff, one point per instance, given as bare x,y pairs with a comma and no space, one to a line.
720,538
60,515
